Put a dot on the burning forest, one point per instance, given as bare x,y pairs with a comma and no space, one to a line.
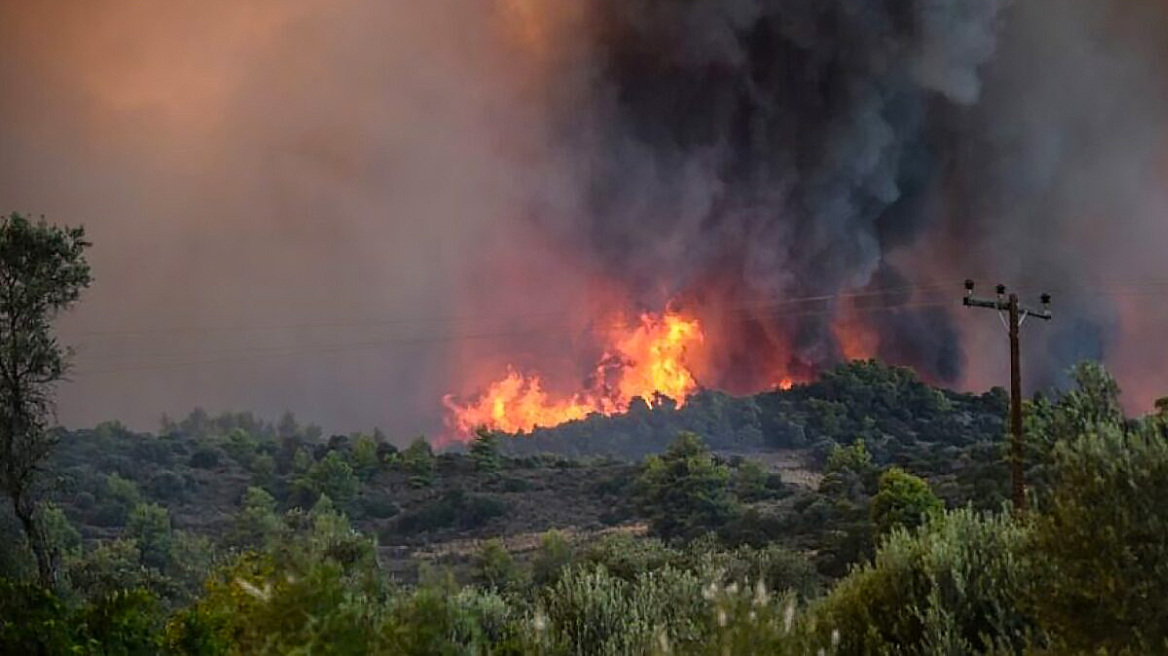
631,327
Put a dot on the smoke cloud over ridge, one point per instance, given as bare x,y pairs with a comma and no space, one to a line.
350,209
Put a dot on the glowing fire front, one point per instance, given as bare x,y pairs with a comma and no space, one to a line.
652,357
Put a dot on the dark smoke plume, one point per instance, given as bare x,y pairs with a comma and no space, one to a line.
337,206
809,147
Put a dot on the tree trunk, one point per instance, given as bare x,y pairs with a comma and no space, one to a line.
46,571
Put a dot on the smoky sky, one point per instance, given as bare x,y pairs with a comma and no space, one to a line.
805,147
337,208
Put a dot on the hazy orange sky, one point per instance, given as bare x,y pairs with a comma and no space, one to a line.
311,204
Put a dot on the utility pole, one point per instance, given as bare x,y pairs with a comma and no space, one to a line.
1015,316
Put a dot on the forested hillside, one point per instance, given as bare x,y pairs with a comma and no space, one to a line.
228,534
887,407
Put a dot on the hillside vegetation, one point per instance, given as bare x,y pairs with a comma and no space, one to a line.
232,535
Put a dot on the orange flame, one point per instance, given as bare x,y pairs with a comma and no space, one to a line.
656,358
651,358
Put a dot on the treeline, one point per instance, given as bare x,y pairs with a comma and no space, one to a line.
888,407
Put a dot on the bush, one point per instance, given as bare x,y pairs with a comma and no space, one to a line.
625,556
750,481
454,509
589,612
685,492
1102,545
333,477
903,501
512,484
122,491
124,622
418,461
437,618
378,505
33,621
495,568
167,487
205,458
484,451
555,553
780,569
111,566
109,514
149,527
950,587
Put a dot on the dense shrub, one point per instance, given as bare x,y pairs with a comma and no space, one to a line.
418,460
149,527
555,553
455,508
205,458
685,492
1102,544
484,451
33,621
495,568
950,587
903,501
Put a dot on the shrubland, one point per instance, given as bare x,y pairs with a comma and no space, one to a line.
229,535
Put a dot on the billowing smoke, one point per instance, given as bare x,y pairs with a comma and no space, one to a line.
351,208
788,145
804,148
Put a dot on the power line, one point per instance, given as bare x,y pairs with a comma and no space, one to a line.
368,323
202,356
196,359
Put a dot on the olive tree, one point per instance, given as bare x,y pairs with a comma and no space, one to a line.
43,271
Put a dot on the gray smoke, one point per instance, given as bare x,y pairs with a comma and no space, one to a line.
804,147
349,208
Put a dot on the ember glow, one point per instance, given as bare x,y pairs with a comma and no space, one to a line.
650,358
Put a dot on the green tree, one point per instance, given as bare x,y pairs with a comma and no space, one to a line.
34,621
123,622
750,481
495,568
123,491
418,460
555,553
192,556
852,458
334,477
1093,402
257,522
685,491
241,446
113,565
365,459
484,451
904,501
950,588
149,527
43,271
1101,544
62,538
263,468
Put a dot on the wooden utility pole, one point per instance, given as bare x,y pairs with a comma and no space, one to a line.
1014,317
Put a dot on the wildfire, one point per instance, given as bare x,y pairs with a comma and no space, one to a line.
652,357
